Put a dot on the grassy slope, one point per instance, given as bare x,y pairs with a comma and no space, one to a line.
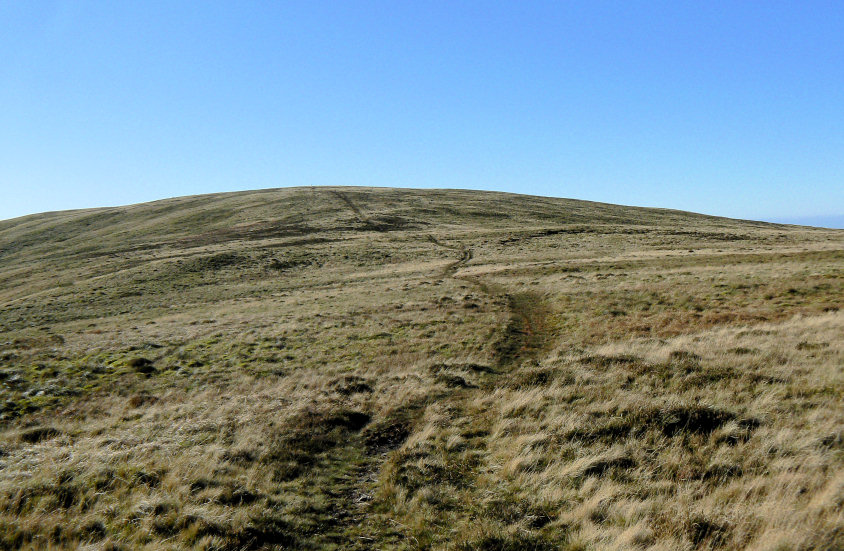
359,368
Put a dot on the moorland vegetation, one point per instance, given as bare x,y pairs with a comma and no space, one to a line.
359,368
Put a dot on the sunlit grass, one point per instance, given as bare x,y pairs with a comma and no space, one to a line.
426,370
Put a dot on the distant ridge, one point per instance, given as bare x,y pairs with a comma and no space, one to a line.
831,221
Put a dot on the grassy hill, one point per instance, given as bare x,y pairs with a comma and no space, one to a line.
357,368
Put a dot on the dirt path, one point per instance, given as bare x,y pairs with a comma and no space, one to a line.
356,468
526,334
451,268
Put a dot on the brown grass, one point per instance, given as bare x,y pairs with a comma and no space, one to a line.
426,370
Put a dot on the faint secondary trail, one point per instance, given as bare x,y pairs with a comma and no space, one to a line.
359,215
349,203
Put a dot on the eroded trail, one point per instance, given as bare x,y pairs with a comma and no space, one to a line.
526,334
451,268
376,456
447,448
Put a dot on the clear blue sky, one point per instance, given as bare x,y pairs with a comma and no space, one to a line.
729,108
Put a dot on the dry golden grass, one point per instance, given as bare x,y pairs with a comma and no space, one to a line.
354,368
